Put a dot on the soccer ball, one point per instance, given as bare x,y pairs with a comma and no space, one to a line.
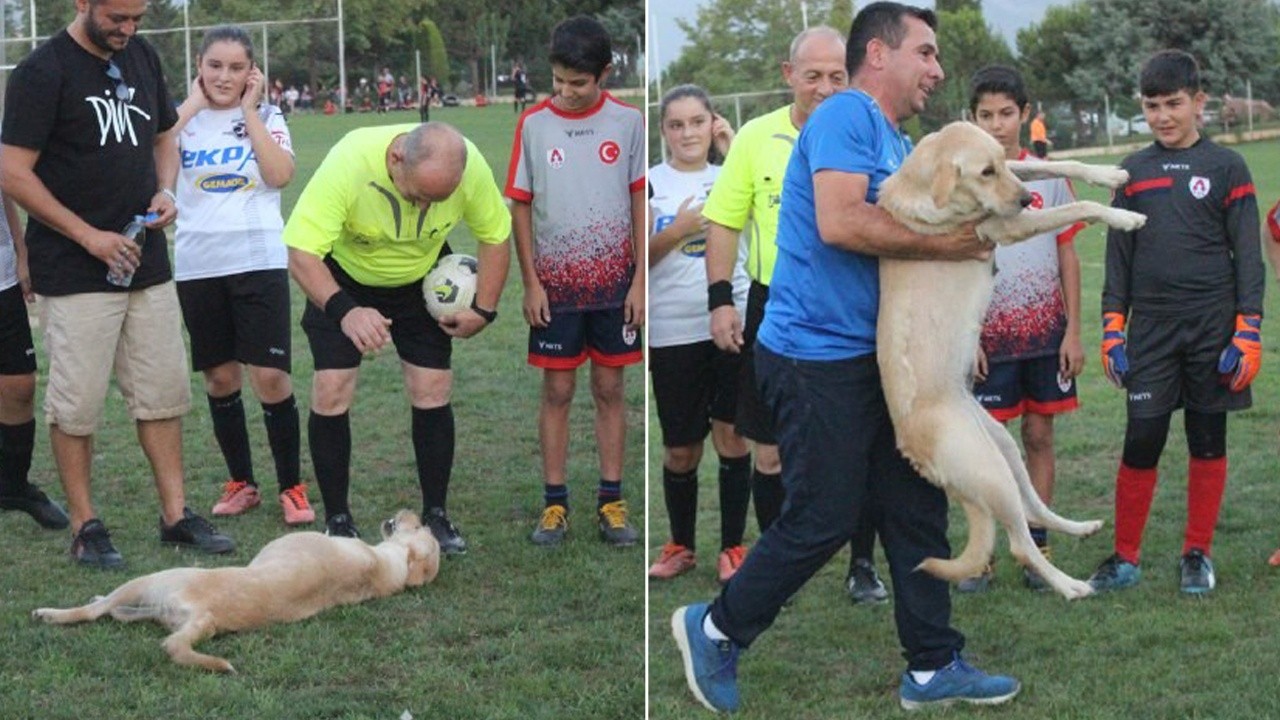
451,285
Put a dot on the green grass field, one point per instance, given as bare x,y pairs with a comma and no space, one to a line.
510,631
1144,653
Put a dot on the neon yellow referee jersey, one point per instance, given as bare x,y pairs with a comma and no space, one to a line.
748,192
351,209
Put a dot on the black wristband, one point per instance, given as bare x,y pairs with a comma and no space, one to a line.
719,293
338,305
488,315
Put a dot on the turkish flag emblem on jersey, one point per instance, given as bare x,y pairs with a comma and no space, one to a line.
1037,201
609,152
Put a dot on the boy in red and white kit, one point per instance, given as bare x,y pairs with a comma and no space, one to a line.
1031,352
577,179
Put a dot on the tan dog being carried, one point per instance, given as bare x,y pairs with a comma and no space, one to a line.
927,336
293,577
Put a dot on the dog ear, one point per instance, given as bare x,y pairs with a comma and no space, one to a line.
944,183
424,560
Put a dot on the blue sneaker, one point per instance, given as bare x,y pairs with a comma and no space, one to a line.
710,666
957,682
1197,573
1115,573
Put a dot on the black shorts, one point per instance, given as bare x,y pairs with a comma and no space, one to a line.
17,351
1029,385
417,337
242,317
752,419
1173,363
572,337
693,385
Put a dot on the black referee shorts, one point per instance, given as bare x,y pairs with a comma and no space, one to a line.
753,420
417,337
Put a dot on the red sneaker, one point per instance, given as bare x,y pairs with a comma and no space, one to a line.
674,560
730,560
297,509
237,497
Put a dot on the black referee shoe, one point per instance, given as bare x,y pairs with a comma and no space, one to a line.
450,539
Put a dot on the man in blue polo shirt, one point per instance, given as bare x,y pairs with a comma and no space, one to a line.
817,371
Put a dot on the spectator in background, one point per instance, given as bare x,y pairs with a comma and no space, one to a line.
1039,136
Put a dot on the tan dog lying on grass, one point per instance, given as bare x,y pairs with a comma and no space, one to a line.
928,329
293,577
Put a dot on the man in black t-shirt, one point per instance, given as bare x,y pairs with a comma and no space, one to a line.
87,121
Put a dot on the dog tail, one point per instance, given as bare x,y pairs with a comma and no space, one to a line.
976,554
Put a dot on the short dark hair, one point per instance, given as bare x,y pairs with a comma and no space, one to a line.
227,33
997,80
881,21
581,43
1169,71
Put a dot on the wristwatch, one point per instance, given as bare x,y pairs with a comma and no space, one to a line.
488,315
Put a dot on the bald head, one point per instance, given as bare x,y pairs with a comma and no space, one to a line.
427,163
818,39
435,142
815,70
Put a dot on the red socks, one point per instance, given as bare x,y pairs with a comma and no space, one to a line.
1134,491
1206,481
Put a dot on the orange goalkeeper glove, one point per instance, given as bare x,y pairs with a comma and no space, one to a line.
1240,361
1115,363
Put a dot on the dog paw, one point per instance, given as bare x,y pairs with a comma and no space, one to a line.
42,614
1112,177
1125,220
1076,590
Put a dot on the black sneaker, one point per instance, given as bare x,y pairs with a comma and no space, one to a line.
341,525
1197,573
451,541
195,532
864,585
92,546
35,503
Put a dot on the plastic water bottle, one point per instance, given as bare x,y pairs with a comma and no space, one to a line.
136,231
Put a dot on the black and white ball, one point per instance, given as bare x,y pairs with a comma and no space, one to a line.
450,286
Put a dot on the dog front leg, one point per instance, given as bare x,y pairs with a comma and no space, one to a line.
1109,176
1028,224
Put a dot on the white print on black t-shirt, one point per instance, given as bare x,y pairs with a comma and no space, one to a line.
113,116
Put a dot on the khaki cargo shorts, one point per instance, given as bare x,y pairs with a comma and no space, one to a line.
136,334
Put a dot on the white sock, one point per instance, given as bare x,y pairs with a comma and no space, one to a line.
922,677
709,628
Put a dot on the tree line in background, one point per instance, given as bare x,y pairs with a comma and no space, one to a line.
454,37
1077,55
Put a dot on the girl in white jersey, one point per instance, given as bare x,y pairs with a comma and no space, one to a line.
694,383
231,266
18,380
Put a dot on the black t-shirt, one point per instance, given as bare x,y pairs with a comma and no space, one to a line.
96,154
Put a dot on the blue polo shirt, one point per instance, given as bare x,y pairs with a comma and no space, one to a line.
823,301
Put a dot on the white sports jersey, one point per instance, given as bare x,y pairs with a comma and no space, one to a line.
1028,316
678,283
228,219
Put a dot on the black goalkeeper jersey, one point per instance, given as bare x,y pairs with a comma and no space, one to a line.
1200,246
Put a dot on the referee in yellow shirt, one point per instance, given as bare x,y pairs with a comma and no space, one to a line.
367,228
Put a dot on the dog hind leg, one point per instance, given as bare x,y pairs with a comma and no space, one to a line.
127,594
977,551
179,645
1036,511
